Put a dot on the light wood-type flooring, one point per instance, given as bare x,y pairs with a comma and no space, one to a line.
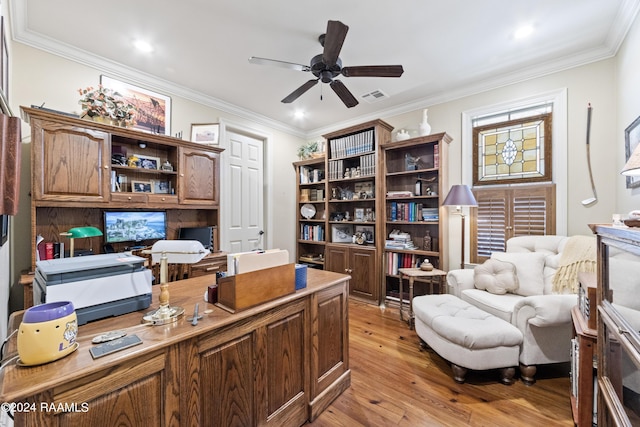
396,383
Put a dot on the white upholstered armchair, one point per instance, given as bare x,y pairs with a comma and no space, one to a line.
518,286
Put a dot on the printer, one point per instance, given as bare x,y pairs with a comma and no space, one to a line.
99,286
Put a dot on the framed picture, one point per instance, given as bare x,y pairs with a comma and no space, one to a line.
160,187
367,231
358,214
205,133
154,109
148,162
631,140
4,229
141,187
341,233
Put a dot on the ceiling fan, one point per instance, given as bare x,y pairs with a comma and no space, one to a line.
327,66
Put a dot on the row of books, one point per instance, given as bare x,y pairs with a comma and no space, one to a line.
352,144
396,261
436,156
411,212
50,250
310,175
312,232
399,245
366,168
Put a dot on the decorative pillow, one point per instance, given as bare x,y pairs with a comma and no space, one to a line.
495,276
529,269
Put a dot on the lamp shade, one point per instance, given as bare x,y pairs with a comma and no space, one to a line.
81,232
632,167
460,195
178,251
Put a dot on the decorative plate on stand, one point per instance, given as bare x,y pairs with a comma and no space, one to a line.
308,210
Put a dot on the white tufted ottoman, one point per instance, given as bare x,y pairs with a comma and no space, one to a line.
466,336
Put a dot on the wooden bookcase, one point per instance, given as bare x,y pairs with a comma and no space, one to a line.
311,202
354,228
76,174
414,184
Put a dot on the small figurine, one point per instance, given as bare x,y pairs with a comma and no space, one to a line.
132,161
166,166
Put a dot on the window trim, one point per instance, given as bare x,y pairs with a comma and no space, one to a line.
559,146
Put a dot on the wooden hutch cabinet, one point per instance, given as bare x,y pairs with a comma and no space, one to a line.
80,169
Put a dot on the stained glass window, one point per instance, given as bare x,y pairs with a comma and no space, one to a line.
517,150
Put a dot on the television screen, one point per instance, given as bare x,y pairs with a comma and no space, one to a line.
134,226
202,234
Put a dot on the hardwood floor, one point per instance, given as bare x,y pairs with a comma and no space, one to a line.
396,383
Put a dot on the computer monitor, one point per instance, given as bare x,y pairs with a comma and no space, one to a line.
202,234
134,226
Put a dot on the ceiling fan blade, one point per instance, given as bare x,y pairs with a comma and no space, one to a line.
341,90
302,89
333,40
276,63
373,71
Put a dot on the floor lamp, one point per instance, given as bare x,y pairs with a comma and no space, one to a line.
459,196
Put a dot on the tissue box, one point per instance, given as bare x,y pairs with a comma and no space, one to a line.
301,276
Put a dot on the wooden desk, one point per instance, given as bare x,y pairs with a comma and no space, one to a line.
281,363
416,273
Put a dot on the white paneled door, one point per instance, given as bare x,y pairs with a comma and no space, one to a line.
245,207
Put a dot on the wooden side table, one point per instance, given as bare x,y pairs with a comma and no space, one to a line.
26,280
420,275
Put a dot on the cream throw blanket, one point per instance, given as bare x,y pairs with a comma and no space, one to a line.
579,254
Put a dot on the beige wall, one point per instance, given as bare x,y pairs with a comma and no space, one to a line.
628,109
593,84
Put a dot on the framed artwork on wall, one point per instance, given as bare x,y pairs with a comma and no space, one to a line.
154,109
205,133
631,140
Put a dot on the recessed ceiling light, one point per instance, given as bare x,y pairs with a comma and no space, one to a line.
299,114
523,32
143,46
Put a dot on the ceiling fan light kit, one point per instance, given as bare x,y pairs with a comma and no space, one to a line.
327,66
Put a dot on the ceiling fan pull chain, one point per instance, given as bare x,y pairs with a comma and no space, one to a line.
320,92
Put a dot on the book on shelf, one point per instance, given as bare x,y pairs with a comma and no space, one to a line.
311,257
393,194
312,232
349,145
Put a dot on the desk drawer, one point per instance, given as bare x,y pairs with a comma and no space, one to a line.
206,266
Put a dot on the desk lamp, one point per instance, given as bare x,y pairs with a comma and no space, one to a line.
80,233
459,196
175,252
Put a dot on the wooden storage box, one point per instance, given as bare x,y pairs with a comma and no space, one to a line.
245,290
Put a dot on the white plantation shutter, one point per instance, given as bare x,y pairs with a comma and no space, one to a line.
492,217
503,213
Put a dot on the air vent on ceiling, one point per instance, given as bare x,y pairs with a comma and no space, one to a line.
374,96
